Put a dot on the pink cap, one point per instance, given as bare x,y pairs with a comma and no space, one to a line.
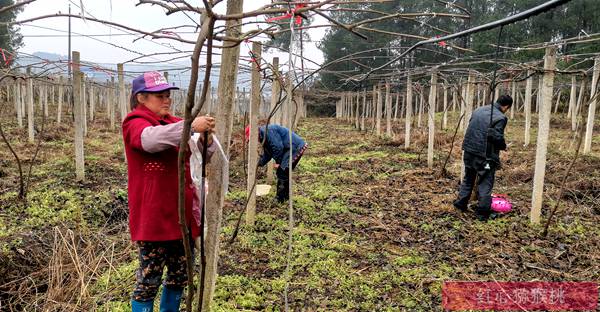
150,82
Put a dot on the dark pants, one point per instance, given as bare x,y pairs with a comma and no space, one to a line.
153,257
485,183
283,181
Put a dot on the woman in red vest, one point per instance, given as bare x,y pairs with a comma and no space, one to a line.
151,136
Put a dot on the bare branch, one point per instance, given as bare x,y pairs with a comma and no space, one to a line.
271,11
14,6
98,21
172,9
346,27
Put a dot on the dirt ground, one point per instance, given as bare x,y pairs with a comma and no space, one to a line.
374,227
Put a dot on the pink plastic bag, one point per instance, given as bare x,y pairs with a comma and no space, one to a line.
500,203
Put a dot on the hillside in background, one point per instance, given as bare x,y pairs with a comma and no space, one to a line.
101,72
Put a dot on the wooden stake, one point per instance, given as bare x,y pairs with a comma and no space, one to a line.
513,95
44,98
463,95
557,101
421,105
587,143
579,104
253,142
388,110
379,111
431,119
364,111
527,107
470,97
408,118
111,102
543,134
572,96
60,100
18,100
84,106
79,119
122,97
357,113
92,101
445,117
30,119
396,107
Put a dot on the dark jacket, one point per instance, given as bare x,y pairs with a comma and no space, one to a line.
277,145
481,141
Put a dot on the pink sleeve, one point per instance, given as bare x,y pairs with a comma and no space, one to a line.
159,138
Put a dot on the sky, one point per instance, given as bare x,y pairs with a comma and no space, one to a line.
111,45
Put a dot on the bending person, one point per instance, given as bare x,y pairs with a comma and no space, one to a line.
276,146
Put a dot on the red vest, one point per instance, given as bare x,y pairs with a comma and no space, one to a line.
153,183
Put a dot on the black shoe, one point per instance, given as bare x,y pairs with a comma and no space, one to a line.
459,207
486,216
482,217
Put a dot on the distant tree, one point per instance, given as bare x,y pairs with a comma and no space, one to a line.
10,37
577,18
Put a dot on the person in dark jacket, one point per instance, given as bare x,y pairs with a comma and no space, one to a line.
151,136
276,146
484,139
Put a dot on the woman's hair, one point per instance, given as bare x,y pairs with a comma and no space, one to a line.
133,101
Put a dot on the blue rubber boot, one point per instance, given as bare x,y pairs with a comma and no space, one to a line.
170,299
142,306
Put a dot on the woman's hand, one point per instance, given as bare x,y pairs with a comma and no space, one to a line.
203,123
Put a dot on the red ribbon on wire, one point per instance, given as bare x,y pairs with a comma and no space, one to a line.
254,60
290,14
441,43
6,60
